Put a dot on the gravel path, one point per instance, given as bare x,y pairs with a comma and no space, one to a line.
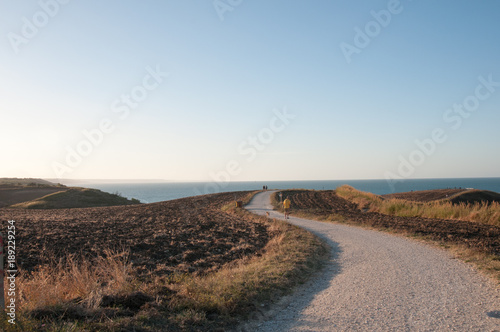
382,282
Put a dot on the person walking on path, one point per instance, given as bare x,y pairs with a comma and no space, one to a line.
286,206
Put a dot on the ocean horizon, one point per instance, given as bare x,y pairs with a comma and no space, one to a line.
165,191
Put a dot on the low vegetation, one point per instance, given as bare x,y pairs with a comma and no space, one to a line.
27,182
76,198
462,206
112,291
41,194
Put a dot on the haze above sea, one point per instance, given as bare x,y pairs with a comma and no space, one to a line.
164,191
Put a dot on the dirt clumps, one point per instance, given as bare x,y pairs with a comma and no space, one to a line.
189,235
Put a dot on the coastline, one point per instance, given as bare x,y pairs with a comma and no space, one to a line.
148,192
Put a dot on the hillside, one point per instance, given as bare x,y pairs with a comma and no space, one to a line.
75,198
31,193
473,196
25,182
158,234
10,195
425,195
456,196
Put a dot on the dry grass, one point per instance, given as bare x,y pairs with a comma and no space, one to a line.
289,258
73,284
75,280
365,200
482,212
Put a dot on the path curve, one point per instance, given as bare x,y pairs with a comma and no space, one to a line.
381,282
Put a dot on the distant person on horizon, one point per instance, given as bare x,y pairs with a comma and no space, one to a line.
286,205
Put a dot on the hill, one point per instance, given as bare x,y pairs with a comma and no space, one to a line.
425,195
26,182
76,198
10,195
455,196
473,196
29,193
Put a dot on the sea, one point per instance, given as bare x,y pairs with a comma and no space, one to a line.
165,191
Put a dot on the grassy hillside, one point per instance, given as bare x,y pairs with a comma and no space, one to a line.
76,198
475,196
10,195
456,196
425,195
26,182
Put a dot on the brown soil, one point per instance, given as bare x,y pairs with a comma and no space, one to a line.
190,235
473,235
426,195
10,195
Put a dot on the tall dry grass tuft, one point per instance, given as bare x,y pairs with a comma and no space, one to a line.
76,280
364,200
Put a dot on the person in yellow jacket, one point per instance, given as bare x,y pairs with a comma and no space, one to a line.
286,206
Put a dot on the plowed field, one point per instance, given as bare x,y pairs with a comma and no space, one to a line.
186,235
483,237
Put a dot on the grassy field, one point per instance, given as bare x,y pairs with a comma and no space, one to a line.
75,198
26,182
111,293
28,193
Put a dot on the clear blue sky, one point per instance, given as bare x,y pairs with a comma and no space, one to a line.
351,104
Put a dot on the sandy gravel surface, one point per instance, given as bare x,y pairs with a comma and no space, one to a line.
381,282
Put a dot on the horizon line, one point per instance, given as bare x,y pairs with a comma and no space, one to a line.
268,180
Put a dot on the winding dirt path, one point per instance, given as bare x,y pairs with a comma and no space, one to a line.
381,282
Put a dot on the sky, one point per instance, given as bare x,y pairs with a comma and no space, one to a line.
239,90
